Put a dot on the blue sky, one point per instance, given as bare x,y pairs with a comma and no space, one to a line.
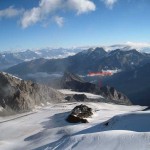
31,24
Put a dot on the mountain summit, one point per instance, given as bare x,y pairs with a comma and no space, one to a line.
91,60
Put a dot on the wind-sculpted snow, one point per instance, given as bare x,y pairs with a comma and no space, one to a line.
132,122
111,127
114,140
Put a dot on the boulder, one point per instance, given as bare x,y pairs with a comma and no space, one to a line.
79,113
77,97
80,97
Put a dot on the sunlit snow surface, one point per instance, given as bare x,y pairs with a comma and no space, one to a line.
89,95
127,128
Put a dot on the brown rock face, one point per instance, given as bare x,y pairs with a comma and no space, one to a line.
20,95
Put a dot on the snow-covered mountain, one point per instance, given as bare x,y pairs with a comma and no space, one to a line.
111,127
91,60
8,59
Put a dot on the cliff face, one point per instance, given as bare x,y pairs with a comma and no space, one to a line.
74,82
20,95
113,94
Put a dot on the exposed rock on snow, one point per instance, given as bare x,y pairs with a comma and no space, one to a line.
77,97
47,129
80,97
88,95
79,113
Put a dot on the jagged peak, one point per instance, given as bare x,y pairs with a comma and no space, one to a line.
68,76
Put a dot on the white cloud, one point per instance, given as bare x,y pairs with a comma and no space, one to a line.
59,21
10,12
109,3
138,45
37,14
31,17
81,6
49,8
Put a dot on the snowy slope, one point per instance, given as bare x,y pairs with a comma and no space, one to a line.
46,129
89,95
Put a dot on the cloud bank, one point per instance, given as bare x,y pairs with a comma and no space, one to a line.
138,45
50,10
10,12
47,8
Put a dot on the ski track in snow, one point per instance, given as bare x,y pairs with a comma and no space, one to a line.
46,129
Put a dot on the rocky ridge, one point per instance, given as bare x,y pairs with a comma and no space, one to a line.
19,95
110,94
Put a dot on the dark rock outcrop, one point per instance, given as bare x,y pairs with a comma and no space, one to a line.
75,119
146,109
134,83
74,82
80,97
79,113
77,97
112,93
20,95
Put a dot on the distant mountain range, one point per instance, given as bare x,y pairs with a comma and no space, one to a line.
91,60
128,62
8,59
